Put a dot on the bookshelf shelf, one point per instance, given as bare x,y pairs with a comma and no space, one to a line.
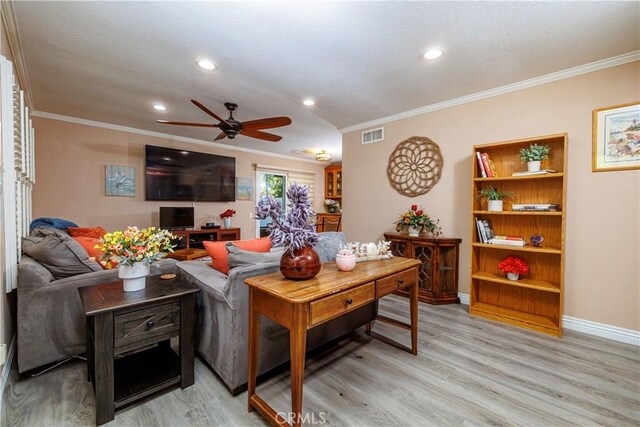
540,285
520,178
518,248
517,213
536,301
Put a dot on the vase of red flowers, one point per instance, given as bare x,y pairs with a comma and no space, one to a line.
226,217
416,221
514,267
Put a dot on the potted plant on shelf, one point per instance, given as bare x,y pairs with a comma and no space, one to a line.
534,155
295,231
514,267
416,220
133,251
495,198
332,205
226,217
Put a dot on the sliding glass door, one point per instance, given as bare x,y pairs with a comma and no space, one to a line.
270,184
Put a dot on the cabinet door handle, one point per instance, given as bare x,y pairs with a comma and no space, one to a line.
150,324
400,281
349,301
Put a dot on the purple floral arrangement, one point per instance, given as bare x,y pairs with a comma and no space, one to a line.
293,230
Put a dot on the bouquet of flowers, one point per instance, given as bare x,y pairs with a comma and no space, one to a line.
417,217
513,264
135,245
332,205
296,229
229,213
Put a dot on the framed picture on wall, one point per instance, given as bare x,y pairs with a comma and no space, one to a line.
244,188
120,180
616,138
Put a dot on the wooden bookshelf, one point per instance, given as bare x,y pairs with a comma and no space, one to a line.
536,300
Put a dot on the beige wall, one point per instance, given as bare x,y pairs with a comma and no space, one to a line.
602,281
70,173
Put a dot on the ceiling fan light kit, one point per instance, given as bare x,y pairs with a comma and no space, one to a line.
323,156
232,127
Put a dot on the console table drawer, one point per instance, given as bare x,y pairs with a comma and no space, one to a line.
337,304
151,323
389,284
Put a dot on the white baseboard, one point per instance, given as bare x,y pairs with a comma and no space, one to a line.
6,368
602,330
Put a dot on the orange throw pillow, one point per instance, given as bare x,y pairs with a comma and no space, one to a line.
219,255
89,245
95,232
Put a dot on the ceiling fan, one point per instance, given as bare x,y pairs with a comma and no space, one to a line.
231,127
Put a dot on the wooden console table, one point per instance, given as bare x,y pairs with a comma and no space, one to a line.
213,234
439,258
303,305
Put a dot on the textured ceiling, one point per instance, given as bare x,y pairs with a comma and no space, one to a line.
109,61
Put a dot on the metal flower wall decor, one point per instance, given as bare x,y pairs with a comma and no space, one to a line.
415,166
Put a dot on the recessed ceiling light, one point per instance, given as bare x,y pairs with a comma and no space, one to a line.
207,65
159,107
434,53
309,102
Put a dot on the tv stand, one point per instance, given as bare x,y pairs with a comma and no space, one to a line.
194,238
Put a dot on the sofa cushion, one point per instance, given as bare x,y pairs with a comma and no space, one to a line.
219,255
239,257
328,245
89,244
59,254
93,232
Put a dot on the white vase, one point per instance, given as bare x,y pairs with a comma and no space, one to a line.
346,262
513,276
495,206
414,231
533,166
133,276
227,222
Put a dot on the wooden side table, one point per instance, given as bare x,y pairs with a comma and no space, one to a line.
128,333
188,254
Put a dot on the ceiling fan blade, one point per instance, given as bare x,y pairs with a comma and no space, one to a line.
260,135
203,125
220,136
209,112
272,122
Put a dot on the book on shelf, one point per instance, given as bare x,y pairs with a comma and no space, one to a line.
489,168
505,242
485,230
481,165
508,238
536,207
540,172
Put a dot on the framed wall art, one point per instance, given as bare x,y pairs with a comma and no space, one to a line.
244,188
616,138
120,180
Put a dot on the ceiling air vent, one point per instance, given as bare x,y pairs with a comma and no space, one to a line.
373,135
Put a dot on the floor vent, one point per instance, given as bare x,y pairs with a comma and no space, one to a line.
373,135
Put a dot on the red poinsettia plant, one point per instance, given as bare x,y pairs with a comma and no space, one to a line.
229,213
513,264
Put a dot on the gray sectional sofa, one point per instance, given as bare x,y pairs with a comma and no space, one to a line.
221,336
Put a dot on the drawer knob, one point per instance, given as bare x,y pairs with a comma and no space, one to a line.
349,301
150,324
400,281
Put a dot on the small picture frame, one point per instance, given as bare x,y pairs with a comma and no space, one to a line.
120,180
244,188
616,138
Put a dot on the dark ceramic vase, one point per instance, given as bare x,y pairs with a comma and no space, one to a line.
302,265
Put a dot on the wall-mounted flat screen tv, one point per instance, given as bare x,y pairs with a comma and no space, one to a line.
186,175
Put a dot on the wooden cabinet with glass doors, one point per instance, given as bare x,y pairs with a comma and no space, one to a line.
333,182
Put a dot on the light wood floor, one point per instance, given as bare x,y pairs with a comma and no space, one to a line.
468,372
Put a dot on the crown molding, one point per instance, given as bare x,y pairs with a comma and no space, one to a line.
525,84
11,28
79,121
588,327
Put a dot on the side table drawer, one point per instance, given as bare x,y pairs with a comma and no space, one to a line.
389,284
146,324
334,305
